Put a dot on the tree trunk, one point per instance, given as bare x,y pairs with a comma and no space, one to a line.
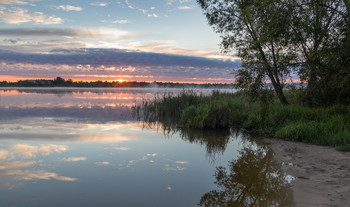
276,84
280,94
278,90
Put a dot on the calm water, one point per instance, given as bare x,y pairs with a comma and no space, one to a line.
82,147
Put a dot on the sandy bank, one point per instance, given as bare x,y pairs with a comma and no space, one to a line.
323,174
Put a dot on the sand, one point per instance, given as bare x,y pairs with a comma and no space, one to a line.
322,173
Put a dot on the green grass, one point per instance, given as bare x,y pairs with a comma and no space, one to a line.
324,126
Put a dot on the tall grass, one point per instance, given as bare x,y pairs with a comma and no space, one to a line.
324,126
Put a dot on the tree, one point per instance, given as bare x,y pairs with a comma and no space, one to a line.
278,38
321,36
59,81
258,31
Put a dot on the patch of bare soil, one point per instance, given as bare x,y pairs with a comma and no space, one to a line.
322,173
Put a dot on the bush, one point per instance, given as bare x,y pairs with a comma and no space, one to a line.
301,131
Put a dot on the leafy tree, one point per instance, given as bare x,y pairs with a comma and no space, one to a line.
278,38
258,31
321,37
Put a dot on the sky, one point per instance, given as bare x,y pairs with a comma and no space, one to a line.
131,40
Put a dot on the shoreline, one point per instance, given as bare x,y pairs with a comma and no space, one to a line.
322,173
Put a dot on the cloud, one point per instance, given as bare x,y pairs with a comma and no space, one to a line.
19,2
118,21
99,4
125,64
69,8
152,15
185,7
123,21
92,33
113,57
139,9
169,47
74,159
170,2
19,16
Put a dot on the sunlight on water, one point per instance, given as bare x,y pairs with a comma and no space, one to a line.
71,147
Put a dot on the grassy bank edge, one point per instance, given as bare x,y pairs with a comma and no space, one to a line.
328,126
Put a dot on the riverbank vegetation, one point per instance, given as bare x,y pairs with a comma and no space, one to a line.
318,125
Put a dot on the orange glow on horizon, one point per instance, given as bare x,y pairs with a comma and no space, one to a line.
147,79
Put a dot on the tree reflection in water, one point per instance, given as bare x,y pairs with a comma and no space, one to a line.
215,141
254,179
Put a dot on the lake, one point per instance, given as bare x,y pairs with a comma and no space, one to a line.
84,147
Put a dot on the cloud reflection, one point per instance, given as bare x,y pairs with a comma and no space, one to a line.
36,175
121,148
102,163
74,159
167,167
29,151
183,162
165,164
15,164
16,170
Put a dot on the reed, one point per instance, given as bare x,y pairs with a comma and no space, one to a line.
324,126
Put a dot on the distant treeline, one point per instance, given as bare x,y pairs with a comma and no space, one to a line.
61,82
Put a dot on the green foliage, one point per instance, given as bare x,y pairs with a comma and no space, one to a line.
257,31
330,132
189,117
300,131
275,39
198,111
254,121
324,126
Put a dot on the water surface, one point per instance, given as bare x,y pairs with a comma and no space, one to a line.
83,147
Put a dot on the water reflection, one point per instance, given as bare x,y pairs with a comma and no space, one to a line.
87,148
254,179
215,141
17,166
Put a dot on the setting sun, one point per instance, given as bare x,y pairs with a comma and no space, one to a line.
120,80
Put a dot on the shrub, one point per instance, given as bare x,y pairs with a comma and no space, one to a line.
301,131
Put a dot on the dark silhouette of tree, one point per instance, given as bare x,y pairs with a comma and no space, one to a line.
59,81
